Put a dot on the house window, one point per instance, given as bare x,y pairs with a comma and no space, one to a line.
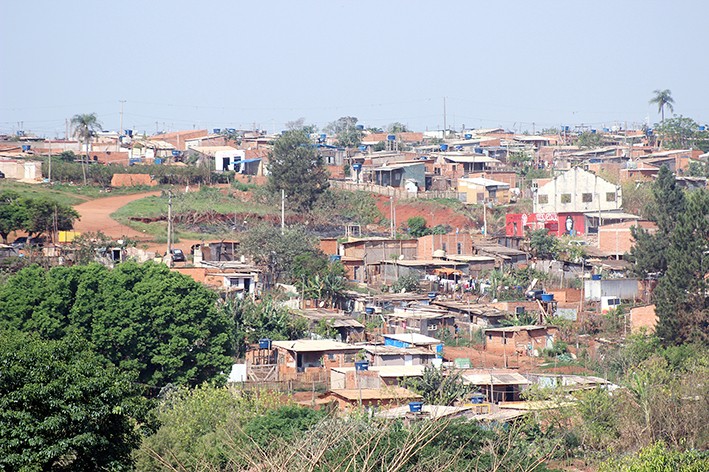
543,199
443,246
587,197
331,357
565,198
460,248
610,196
349,358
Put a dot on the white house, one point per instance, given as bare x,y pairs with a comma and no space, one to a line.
225,157
577,191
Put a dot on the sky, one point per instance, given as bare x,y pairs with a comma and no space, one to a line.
519,64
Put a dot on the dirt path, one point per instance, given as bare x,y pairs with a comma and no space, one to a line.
95,216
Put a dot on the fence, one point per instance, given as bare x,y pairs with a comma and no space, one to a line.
397,192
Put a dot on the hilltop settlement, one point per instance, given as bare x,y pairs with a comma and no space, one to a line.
473,299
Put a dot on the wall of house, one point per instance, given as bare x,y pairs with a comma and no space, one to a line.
626,289
576,191
452,243
643,317
520,342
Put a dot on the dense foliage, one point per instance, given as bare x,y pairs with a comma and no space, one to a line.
35,216
159,325
296,167
63,407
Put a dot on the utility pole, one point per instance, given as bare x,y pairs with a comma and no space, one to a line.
445,126
169,228
49,164
391,216
120,131
283,211
66,132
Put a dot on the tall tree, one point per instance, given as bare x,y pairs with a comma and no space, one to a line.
159,325
649,253
296,167
663,99
680,132
85,127
348,135
681,295
13,213
63,407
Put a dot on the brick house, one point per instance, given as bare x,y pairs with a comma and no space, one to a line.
524,340
303,355
616,239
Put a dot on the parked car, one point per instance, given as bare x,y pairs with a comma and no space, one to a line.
178,255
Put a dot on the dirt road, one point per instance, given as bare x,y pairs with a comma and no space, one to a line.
95,216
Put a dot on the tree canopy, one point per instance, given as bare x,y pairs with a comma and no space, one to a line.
63,407
345,128
663,99
681,132
296,167
161,326
33,215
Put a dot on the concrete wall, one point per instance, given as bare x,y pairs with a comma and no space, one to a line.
626,289
575,183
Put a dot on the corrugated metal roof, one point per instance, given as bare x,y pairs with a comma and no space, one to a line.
413,338
312,345
390,393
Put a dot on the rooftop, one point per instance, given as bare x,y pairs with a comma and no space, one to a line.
312,345
413,338
389,393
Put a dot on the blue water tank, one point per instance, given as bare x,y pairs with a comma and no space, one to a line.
593,131
391,137
361,365
264,343
596,277
702,128
547,297
158,160
649,132
357,166
359,127
175,152
232,130
216,130
323,137
444,147
369,310
26,147
606,130
362,147
477,398
432,295
129,132
478,150
415,407
468,136
335,258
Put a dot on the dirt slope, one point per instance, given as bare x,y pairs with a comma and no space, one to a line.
95,216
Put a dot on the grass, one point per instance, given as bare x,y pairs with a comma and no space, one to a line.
68,194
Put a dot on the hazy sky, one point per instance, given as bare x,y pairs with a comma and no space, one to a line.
215,64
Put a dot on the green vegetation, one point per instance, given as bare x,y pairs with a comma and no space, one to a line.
160,326
35,216
658,458
682,133
345,128
357,207
296,167
438,387
589,140
663,99
63,407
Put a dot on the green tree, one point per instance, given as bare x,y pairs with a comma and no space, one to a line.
159,325
680,133
345,128
663,99
542,243
681,295
439,387
668,201
417,226
296,167
658,458
588,139
397,127
13,213
44,215
62,407
85,127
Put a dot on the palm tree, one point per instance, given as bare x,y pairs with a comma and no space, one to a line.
85,127
663,98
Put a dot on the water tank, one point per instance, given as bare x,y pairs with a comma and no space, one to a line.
477,398
362,147
264,343
129,132
593,131
468,136
361,365
175,152
415,407
444,147
432,295
232,130
702,127
359,127
216,130
357,166
391,137
547,297
335,258
606,130
157,160
478,150
369,310
26,147
323,137
596,277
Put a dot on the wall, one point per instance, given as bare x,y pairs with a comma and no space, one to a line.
575,183
626,289
643,317
428,244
